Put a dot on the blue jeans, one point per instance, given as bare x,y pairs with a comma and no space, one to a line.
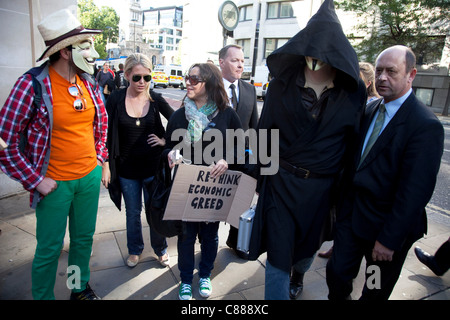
103,95
208,233
132,195
277,280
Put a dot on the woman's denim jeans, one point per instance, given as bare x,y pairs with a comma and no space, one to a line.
208,233
132,195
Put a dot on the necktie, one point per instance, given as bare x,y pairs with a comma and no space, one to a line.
375,133
233,95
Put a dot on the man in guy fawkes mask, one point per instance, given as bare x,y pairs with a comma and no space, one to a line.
315,101
55,124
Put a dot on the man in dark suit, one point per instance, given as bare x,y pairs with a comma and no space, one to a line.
231,61
242,98
394,175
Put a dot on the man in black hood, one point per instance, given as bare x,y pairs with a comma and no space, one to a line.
315,101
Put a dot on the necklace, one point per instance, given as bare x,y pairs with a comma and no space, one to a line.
138,117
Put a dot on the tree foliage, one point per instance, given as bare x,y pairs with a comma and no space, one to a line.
105,19
421,25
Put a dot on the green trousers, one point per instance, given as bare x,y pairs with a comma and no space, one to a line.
75,201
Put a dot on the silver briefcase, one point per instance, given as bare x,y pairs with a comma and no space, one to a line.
245,229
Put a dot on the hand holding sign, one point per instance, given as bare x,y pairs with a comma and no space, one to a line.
219,168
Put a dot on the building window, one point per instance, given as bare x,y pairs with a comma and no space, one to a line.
425,95
271,44
279,10
246,13
245,44
178,18
151,18
136,16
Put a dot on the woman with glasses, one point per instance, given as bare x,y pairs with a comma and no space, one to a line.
135,143
205,107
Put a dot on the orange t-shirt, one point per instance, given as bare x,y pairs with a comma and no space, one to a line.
72,152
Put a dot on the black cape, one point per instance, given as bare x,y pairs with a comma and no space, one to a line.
291,211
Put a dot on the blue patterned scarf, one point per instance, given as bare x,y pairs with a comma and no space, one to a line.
197,118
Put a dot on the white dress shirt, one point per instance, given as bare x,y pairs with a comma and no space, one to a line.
227,84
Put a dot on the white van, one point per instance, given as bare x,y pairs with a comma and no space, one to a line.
262,79
173,72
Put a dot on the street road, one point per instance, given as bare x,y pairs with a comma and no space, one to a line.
178,95
439,207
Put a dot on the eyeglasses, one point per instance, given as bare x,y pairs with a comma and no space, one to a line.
80,103
137,78
193,80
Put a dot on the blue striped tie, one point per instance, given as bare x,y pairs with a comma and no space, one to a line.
375,133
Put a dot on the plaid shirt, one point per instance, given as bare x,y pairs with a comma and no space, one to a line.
19,111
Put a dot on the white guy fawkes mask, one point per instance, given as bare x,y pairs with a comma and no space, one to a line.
84,55
314,64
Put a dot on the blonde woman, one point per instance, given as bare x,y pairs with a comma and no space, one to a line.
367,74
135,143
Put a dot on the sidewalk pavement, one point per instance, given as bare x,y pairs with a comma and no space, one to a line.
232,277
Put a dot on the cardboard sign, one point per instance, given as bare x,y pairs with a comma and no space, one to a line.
195,196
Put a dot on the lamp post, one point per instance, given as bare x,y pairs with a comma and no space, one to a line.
134,41
255,46
108,46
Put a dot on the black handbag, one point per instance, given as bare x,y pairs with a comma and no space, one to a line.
159,191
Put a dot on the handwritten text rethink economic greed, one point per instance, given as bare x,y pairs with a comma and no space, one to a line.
209,196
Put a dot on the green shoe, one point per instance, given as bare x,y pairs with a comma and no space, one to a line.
205,287
185,292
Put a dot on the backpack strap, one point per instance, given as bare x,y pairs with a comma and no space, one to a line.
36,104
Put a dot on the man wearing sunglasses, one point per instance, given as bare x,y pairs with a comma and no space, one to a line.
55,124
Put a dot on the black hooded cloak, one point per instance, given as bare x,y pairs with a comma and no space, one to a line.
291,211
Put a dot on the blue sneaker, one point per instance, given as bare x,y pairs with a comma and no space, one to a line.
185,292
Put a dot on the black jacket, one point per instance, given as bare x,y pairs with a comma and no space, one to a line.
226,119
291,211
391,188
115,101
247,107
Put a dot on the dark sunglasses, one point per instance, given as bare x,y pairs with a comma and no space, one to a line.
137,78
80,103
193,80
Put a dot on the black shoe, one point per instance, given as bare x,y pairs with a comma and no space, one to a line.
428,260
86,294
295,284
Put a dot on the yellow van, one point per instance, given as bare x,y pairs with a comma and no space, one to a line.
160,79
